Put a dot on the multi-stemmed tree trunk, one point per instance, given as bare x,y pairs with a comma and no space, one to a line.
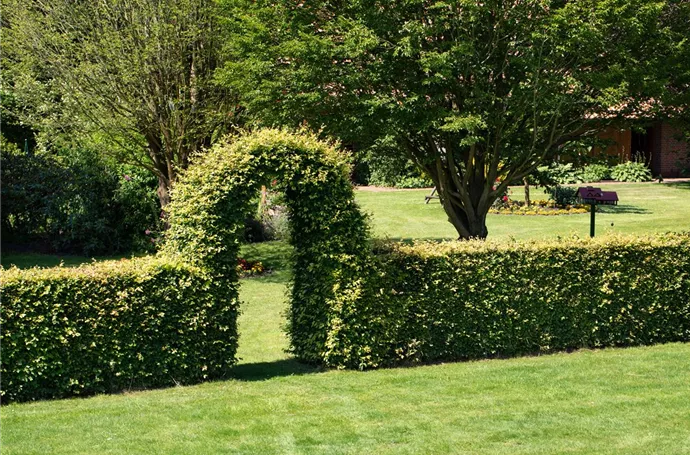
136,74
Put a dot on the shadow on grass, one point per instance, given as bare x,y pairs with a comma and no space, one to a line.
412,240
679,185
622,209
261,371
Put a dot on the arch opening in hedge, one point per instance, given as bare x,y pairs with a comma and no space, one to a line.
328,231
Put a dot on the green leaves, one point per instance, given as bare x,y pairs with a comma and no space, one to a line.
329,233
113,326
431,302
471,91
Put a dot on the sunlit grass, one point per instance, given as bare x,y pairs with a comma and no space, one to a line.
614,401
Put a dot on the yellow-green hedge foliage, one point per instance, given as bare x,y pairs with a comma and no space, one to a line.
112,326
465,300
172,319
328,231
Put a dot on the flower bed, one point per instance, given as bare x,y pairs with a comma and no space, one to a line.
247,268
540,207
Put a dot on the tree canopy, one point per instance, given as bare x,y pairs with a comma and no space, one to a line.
477,94
138,74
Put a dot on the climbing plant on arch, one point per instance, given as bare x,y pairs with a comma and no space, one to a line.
329,233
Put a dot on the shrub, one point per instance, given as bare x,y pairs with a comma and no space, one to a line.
389,168
114,325
75,202
30,183
631,171
464,300
556,174
172,319
327,229
595,173
562,195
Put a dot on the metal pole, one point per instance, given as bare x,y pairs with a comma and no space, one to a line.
591,222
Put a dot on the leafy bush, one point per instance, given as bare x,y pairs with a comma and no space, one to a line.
391,169
413,181
464,300
595,173
556,174
112,326
30,183
562,195
631,171
328,231
171,319
75,202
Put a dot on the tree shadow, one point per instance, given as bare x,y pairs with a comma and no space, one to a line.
261,371
679,185
413,240
622,209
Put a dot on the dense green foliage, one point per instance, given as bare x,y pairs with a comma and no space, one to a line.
159,321
557,174
392,171
76,202
133,77
112,326
451,301
603,401
327,229
595,173
470,91
569,173
631,171
562,195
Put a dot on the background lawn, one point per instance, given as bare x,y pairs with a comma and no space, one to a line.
632,401
643,208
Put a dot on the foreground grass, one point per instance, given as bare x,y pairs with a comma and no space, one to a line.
632,401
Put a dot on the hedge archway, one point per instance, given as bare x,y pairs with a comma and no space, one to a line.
328,231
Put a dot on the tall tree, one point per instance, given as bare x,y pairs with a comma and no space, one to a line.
472,91
137,73
676,100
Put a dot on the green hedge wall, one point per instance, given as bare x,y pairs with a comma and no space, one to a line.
466,300
328,231
112,326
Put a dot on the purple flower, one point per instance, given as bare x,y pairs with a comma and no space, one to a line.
127,177
147,232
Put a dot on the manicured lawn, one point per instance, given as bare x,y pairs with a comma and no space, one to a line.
632,401
643,208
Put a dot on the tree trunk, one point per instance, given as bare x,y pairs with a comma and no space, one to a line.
527,199
471,226
163,192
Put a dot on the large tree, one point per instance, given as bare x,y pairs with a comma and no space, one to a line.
474,92
136,74
676,100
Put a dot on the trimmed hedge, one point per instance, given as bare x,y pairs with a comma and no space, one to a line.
172,319
466,300
113,326
327,229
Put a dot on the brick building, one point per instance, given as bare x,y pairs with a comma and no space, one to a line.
660,146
